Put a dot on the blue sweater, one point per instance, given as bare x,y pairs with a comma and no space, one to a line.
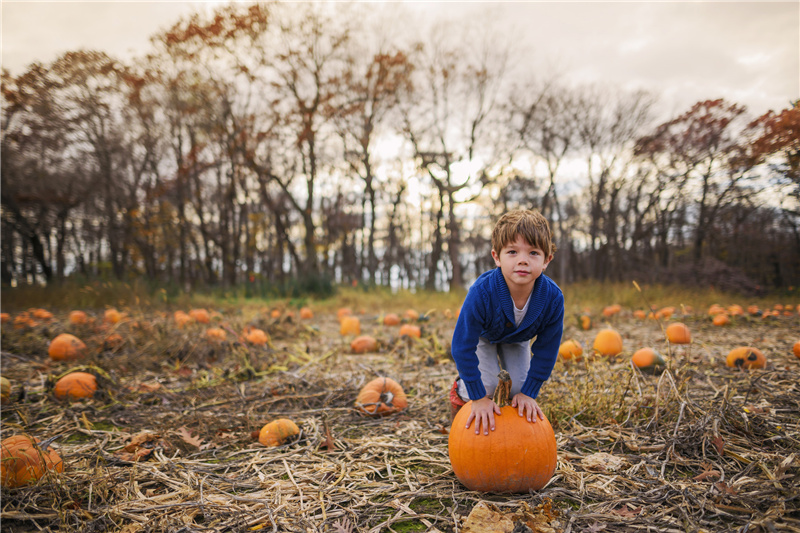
488,312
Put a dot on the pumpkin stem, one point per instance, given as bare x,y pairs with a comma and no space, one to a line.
503,390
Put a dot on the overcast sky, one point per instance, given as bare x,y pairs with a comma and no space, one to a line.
745,52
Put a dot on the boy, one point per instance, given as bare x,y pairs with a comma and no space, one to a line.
504,309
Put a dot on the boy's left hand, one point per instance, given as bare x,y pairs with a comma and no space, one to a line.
527,407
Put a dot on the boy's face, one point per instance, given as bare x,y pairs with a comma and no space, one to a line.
521,264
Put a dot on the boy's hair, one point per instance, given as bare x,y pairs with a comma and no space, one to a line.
531,225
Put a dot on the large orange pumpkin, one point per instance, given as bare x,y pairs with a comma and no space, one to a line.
381,397
607,342
746,357
22,461
517,456
364,344
678,333
277,432
570,349
75,386
65,347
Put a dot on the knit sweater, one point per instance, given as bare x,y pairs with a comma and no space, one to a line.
488,312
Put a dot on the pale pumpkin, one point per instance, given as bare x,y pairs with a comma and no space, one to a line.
22,461
75,386
364,344
518,456
66,347
278,432
607,342
746,357
381,397
570,349
678,333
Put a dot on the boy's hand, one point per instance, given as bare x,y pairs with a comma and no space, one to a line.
527,406
483,412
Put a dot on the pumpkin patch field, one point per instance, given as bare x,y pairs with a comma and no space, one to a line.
336,418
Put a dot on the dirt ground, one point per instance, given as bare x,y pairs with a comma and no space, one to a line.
170,442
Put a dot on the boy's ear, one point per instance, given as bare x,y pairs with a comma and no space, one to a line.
495,257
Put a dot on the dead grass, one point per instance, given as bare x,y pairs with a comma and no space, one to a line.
168,445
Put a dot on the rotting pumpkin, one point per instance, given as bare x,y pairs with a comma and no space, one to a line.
746,357
518,456
381,397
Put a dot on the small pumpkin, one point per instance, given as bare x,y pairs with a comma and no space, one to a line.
343,312
585,322
66,347
42,314
5,389
216,334
410,330
721,320
364,344
350,325
278,432
112,316
306,313
746,357
678,333
78,318
796,349
181,318
518,456
665,312
611,310
256,336
381,397
276,313
715,309
411,314
570,349
753,309
22,461
75,386
200,315
4,317
640,314
391,319
647,359
735,310
607,342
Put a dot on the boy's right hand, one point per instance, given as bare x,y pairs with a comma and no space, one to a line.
483,412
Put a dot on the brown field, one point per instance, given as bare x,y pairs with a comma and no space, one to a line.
168,444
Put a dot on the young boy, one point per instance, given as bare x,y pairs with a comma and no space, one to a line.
504,309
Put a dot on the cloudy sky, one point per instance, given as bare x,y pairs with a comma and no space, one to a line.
745,52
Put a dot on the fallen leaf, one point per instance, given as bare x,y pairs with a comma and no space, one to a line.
186,436
603,462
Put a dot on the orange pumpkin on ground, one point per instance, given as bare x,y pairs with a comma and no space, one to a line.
721,320
4,317
22,461
665,312
66,347
278,432
678,333
796,349
276,313
715,309
343,312
391,319
746,357
518,456
611,310
647,359
216,334
42,314
735,310
75,386
256,336
306,313
607,342
381,397
200,315
570,349
112,316
113,341
411,314
640,314
78,318
181,318
350,325
586,322
364,344
410,330
753,309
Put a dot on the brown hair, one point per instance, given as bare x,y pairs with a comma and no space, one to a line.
531,225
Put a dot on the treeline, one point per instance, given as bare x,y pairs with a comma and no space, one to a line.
269,142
